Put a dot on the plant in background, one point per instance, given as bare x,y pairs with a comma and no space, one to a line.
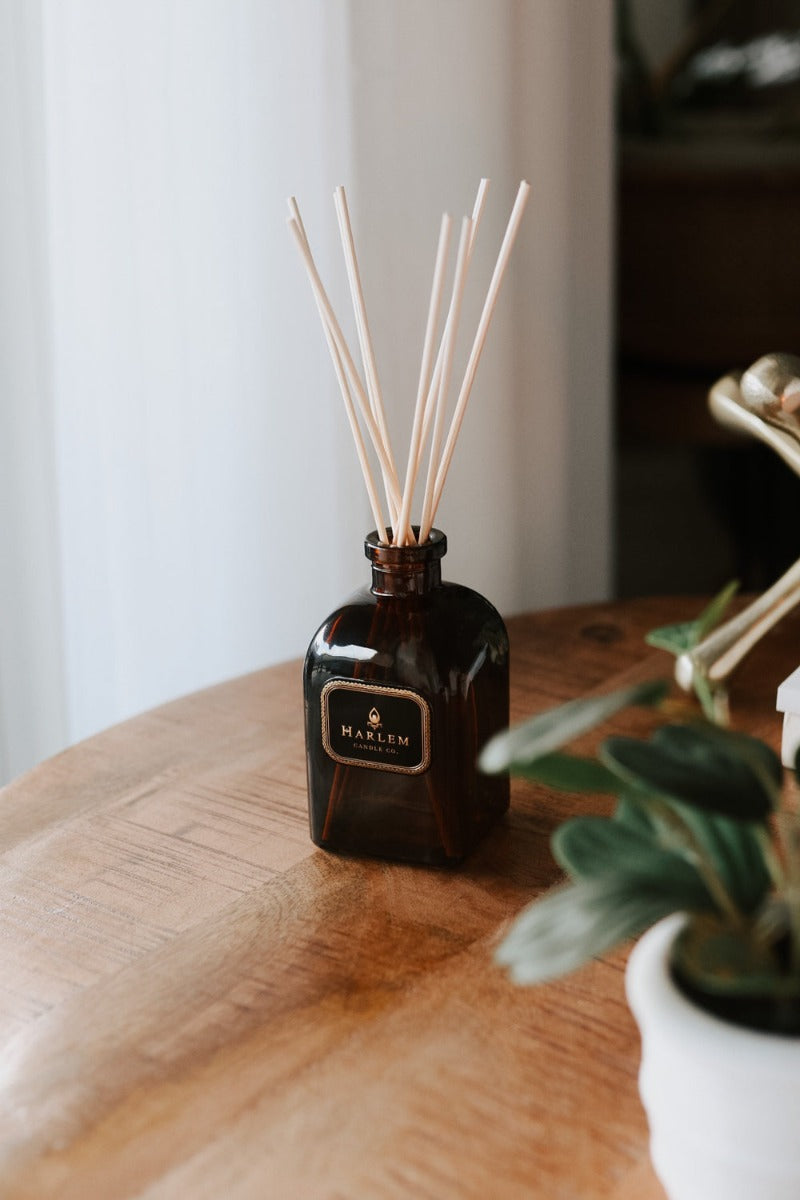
682,638
699,827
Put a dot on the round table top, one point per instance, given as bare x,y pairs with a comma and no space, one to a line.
195,1001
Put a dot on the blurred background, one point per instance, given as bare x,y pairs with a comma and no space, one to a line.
706,260
179,496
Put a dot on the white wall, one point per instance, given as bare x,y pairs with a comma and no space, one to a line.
187,367
525,92
192,507
33,718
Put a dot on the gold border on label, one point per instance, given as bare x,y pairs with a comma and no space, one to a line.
403,694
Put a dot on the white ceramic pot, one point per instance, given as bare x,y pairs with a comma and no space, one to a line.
723,1102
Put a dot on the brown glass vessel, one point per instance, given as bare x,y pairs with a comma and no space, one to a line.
403,686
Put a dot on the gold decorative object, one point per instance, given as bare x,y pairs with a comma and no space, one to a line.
764,402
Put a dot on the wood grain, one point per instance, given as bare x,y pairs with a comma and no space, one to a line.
195,1001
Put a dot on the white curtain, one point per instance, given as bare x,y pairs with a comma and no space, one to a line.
179,497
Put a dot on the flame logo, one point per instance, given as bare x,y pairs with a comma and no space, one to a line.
374,719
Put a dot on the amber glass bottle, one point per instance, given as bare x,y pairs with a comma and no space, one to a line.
403,686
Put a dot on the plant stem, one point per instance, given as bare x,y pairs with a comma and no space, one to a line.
788,826
680,831
772,860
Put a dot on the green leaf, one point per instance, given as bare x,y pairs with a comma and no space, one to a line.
570,773
713,614
760,757
578,921
589,847
685,635
635,814
676,639
734,850
682,762
517,748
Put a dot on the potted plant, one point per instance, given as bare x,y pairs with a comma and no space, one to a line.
703,851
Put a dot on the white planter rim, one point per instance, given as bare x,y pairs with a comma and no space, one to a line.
650,988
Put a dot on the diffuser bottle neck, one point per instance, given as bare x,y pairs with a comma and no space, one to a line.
406,570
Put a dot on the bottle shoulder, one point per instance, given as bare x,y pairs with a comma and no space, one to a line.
446,597
452,621
459,595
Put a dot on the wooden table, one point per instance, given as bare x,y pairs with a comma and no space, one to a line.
198,1003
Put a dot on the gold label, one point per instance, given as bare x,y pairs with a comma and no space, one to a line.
370,725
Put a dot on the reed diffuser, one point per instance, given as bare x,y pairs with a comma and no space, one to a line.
407,681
